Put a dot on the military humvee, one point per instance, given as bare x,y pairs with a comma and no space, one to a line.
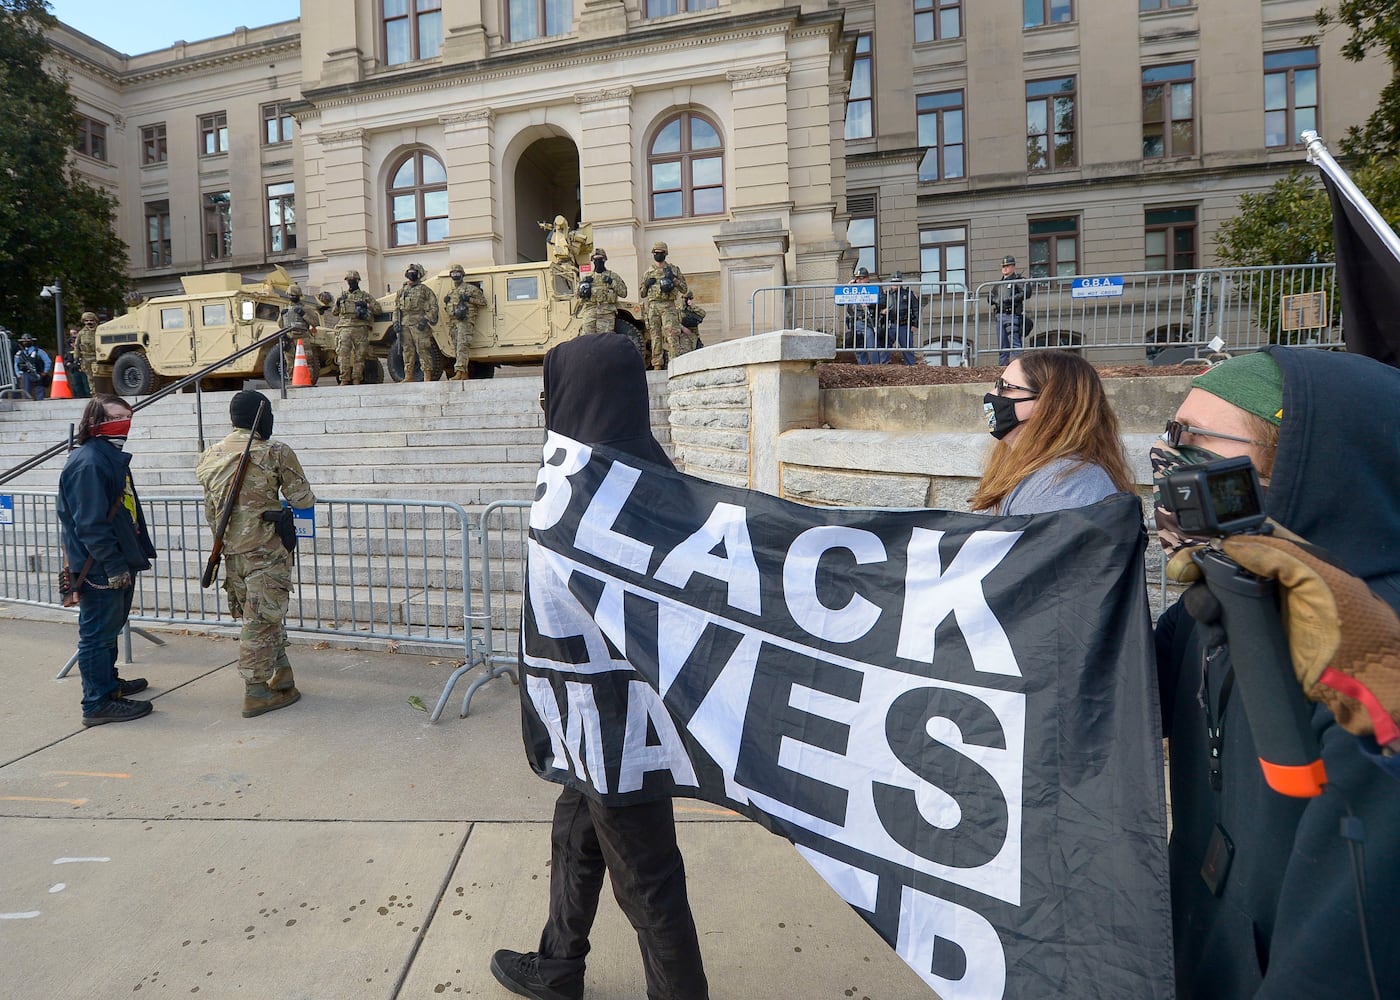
530,309
174,335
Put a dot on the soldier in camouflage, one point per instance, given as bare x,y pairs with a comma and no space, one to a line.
257,555
356,309
663,291
416,309
597,295
299,316
691,318
87,343
461,303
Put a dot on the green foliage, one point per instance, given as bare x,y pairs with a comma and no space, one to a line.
1375,26
52,223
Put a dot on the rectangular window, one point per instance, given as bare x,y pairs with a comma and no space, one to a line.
935,20
281,217
1168,111
153,147
943,254
172,318
1054,247
665,8
1146,5
861,230
860,102
92,138
1290,96
1050,124
277,124
522,289
1042,12
412,30
157,234
1169,239
213,134
540,18
218,226
214,314
941,136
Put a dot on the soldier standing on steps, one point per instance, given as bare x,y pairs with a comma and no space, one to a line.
357,309
663,291
597,294
298,316
259,544
417,309
461,303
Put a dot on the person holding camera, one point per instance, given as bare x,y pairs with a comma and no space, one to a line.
32,367
356,309
415,315
1057,438
461,303
259,545
1008,301
597,295
663,291
1270,894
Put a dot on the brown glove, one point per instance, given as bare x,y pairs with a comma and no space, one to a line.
1344,640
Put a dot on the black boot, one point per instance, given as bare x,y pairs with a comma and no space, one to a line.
519,972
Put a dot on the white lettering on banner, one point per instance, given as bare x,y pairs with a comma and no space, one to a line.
931,595
644,705
559,615
583,736
928,925
728,523
595,532
866,770
563,457
542,697
844,624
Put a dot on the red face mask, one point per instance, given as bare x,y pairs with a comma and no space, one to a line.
112,428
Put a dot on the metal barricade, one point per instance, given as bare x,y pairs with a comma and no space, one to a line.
7,364
939,338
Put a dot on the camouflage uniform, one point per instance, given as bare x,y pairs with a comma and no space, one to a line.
87,343
598,312
257,566
663,314
691,318
418,309
466,298
356,309
298,316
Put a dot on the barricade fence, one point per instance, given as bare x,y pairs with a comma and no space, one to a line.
7,362
1129,318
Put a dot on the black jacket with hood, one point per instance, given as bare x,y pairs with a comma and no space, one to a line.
1285,924
595,391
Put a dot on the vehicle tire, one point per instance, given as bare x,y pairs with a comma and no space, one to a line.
313,363
396,371
272,367
481,369
374,372
632,332
132,375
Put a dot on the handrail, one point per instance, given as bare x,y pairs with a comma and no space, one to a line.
43,456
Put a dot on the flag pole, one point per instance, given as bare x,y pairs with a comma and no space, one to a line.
1318,154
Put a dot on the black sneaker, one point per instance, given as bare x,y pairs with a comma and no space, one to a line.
117,710
127,688
520,973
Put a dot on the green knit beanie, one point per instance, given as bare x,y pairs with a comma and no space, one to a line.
1253,382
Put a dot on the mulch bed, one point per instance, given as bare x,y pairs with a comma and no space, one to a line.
839,376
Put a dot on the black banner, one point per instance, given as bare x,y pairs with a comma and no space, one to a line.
952,716
1368,279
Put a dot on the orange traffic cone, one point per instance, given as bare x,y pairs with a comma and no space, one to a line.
59,389
301,373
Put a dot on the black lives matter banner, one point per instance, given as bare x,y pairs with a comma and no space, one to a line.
953,717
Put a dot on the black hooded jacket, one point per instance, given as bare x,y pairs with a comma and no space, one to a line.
595,391
1285,924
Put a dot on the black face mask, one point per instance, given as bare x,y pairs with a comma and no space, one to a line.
1001,414
354,285
457,277
599,266
411,274
658,257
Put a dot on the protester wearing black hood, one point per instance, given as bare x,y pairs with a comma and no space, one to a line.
595,391
1281,920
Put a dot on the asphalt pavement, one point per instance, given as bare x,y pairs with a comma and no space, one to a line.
343,847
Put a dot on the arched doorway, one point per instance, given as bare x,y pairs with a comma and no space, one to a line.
546,185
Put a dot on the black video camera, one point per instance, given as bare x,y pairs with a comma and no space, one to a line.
1217,498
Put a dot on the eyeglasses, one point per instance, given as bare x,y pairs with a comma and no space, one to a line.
1175,429
1001,385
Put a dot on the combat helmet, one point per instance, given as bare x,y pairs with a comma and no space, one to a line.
598,254
89,317
294,291
351,276
660,247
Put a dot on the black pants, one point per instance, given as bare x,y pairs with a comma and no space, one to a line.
636,845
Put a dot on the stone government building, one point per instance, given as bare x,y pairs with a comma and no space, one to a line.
767,142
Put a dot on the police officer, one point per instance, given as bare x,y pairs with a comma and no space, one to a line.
356,310
861,324
899,304
461,303
32,366
416,313
1008,301
663,291
597,296
258,546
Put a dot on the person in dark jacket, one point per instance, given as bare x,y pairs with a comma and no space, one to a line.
899,305
1263,899
106,544
635,844
1008,301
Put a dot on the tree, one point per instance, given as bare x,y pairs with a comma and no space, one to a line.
1375,25
53,224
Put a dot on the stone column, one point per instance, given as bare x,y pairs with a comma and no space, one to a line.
606,152
470,159
338,161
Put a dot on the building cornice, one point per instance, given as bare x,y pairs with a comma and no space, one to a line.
124,77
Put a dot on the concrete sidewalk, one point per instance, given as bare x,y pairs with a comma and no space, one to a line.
340,848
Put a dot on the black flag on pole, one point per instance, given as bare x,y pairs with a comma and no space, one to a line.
1368,278
952,716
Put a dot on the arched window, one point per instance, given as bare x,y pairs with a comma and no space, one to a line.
686,168
417,201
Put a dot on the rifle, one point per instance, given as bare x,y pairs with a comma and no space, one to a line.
216,551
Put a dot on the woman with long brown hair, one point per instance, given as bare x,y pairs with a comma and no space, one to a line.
1057,438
